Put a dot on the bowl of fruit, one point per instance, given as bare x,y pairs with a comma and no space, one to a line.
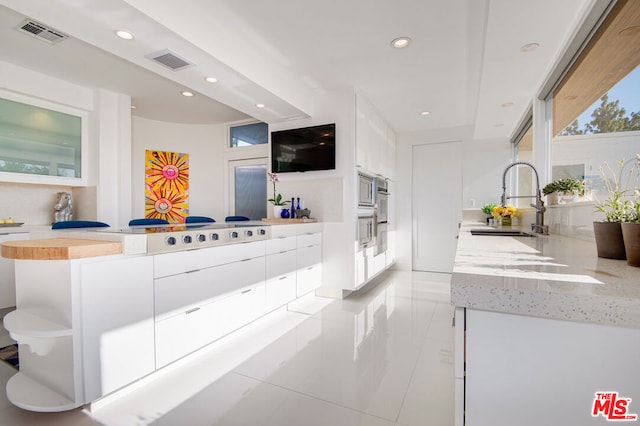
6,222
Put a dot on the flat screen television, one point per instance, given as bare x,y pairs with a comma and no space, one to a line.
305,149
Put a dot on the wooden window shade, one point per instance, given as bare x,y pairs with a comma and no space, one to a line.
611,54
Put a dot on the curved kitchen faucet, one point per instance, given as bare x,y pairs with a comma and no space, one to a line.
539,227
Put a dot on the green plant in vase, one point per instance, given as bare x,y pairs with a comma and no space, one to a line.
562,190
616,208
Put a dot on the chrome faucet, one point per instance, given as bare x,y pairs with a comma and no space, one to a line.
539,227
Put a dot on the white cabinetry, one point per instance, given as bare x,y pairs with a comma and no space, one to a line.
375,141
281,271
7,276
193,307
117,323
537,371
309,263
84,329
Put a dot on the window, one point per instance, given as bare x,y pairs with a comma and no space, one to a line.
248,135
41,142
523,146
596,104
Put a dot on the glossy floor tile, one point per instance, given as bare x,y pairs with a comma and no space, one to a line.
379,357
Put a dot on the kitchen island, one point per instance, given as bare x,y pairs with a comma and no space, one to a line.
542,326
99,310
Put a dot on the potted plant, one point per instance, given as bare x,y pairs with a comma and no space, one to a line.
488,210
616,208
631,224
277,201
560,191
631,231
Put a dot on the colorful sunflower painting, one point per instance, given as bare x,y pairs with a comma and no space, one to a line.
167,185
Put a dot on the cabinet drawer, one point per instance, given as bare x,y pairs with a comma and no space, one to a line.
309,255
182,334
190,260
276,245
281,290
177,293
281,263
309,239
308,278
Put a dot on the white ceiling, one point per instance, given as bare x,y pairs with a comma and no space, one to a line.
463,64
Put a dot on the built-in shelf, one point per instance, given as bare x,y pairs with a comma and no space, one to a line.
23,323
31,395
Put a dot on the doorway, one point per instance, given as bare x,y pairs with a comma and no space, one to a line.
437,205
248,188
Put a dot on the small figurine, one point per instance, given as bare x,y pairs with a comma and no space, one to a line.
63,209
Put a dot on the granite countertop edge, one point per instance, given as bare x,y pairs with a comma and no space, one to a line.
549,276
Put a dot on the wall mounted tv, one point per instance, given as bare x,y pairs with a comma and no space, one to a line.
302,150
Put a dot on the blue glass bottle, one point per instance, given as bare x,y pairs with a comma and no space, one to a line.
293,208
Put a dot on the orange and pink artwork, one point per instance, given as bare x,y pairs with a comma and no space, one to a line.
166,186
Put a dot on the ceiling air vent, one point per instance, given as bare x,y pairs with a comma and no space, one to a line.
41,32
170,60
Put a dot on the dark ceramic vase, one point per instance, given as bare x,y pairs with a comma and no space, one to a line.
609,242
631,237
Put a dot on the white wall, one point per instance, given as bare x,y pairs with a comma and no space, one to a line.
483,162
330,194
205,145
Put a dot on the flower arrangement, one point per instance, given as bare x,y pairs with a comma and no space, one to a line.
277,198
501,212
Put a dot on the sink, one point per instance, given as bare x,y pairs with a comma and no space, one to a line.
501,232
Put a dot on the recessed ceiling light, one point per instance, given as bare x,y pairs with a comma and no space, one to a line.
133,107
530,47
187,94
425,113
400,42
125,35
211,79
259,105
507,105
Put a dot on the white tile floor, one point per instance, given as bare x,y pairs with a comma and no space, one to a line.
382,357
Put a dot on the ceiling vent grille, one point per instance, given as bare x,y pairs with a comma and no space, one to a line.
41,31
170,60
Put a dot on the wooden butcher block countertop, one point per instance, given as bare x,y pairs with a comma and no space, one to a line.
59,249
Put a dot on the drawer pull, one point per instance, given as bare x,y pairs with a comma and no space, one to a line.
190,311
309,268
246,291
282,278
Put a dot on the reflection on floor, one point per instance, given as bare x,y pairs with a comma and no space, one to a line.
380,357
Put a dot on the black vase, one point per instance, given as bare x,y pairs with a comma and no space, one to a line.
609,241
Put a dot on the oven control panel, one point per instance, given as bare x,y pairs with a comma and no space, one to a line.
164,242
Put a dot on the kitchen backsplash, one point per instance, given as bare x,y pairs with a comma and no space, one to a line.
33,204
571,220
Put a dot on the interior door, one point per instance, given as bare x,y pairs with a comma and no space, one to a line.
437,205
248,191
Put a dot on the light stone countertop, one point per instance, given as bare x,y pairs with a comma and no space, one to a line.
549,276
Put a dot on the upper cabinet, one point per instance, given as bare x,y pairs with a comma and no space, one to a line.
41,142
375,141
